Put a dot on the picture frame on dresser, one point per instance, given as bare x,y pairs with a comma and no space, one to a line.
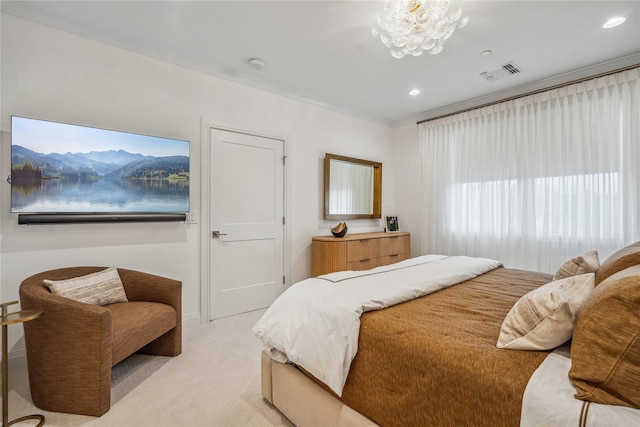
392,223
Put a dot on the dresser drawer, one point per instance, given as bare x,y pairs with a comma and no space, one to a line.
390,259
394,245
362,250
364,264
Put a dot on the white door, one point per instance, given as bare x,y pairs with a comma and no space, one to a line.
247,222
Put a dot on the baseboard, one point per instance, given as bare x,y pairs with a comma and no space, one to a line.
191,319
17,358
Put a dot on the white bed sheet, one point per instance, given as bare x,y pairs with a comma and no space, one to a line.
316,322
548,399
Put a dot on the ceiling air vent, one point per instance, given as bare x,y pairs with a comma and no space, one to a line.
506,70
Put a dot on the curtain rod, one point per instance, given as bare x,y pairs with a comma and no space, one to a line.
533,92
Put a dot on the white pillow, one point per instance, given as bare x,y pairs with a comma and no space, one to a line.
587,263
100,288
543,319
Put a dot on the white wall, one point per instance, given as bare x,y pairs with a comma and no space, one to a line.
408,177
57,76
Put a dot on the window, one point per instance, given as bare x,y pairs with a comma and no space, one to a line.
538,179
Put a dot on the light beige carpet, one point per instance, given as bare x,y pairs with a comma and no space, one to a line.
214,382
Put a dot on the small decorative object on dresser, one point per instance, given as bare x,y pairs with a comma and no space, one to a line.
359,251
339,230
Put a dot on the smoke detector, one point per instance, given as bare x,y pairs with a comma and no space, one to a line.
256,63
506,70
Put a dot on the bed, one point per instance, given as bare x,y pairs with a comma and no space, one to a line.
429,357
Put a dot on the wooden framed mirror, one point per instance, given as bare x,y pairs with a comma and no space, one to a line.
352,188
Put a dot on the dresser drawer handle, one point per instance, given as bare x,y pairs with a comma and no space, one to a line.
364,260
394,254
364,240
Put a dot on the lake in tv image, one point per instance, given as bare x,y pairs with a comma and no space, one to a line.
63,168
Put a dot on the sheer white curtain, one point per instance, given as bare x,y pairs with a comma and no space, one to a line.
539,179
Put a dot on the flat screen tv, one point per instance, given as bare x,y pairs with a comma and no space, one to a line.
71,173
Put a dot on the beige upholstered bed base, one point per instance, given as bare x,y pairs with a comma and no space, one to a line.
303,401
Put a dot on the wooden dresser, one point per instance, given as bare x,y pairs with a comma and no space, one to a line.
360,251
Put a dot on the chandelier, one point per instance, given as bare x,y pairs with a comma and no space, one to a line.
417,26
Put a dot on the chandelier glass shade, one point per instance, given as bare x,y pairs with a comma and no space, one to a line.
412,27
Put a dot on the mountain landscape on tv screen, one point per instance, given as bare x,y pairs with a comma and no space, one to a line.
114,181
113,164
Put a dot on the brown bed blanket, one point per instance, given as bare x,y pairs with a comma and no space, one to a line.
433,361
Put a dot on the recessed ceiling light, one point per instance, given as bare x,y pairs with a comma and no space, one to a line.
486,52
414,92
614,22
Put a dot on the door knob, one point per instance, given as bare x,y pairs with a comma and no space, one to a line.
215,234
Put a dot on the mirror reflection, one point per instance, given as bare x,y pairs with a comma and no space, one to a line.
352,188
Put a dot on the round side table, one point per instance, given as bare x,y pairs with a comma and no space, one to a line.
7,319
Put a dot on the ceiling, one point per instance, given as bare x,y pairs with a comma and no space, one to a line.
323,52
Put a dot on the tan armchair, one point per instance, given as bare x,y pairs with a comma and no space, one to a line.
72,347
